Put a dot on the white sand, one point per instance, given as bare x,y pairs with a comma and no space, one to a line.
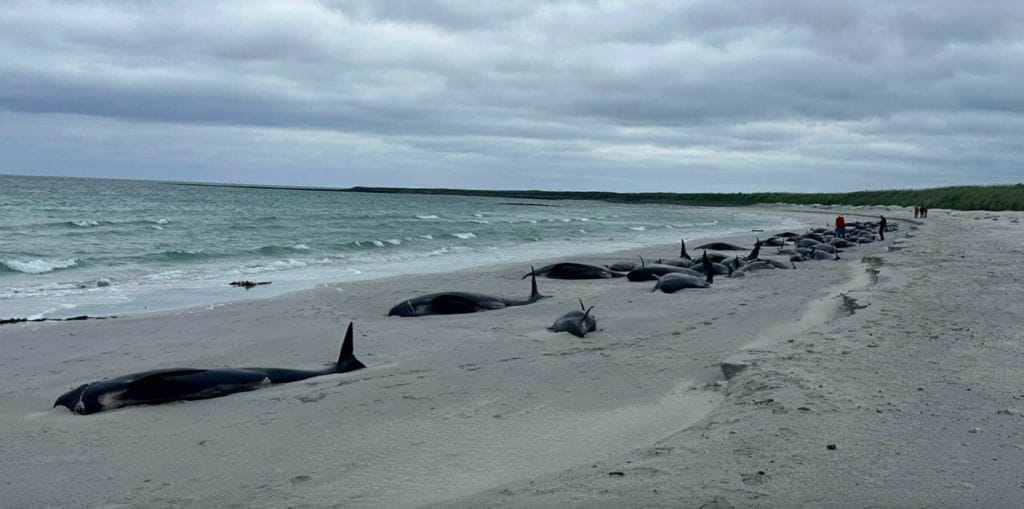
921,391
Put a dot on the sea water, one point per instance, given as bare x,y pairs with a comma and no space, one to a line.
71,246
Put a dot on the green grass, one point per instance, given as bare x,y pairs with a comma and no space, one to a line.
996,197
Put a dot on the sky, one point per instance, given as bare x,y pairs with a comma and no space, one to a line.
645,95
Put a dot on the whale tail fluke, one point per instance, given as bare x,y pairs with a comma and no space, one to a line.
346,359
587,313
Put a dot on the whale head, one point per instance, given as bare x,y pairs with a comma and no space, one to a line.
82,400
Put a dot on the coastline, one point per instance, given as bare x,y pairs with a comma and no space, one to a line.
492,409
169,270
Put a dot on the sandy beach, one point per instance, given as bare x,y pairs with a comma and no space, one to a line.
906,355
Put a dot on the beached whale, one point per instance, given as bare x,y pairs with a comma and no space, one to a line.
451,303
652,272
622,266
722,246
570,270
671,283
181,384
577,323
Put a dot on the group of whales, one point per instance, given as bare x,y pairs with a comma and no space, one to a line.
178,384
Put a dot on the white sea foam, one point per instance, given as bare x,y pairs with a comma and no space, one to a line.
428,216
162,221
85,224
291,263
638,228
167,275
378,243
393,242
39,266
427,237
464,236
300,247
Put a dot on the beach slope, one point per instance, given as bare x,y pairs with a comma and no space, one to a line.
904,355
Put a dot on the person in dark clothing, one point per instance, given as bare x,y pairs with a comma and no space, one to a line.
917,210
924,211
881,228
840,226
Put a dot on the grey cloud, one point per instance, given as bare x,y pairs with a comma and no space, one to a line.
528,93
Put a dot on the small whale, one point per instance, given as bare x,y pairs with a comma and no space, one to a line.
184,384
570,270
622,266
671,283
652,272
577,323
722,246
450,303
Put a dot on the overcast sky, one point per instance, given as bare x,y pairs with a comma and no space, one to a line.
803,95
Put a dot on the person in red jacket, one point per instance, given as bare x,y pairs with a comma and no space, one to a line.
840,226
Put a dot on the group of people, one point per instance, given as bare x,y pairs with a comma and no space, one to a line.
920,211
882,223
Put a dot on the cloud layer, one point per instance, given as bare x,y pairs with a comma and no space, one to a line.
611,95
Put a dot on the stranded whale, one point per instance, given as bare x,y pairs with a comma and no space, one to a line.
577,323
450,303
178,384
571,270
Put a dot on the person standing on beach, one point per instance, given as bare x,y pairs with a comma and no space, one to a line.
881,227
840,226
924,211
917,210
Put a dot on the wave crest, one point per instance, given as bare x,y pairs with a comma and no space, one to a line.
38,266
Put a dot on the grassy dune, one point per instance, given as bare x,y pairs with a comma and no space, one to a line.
997,197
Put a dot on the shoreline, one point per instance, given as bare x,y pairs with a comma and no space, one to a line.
491,409
204,295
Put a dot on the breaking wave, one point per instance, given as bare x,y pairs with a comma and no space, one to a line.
37,266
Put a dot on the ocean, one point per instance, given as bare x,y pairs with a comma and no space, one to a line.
72,246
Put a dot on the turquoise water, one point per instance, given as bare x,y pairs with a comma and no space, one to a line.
88,246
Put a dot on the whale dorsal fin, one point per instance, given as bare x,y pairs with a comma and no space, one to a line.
534,294
346,358
346,345
642,264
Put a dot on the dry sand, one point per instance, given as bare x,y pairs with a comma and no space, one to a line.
906,355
